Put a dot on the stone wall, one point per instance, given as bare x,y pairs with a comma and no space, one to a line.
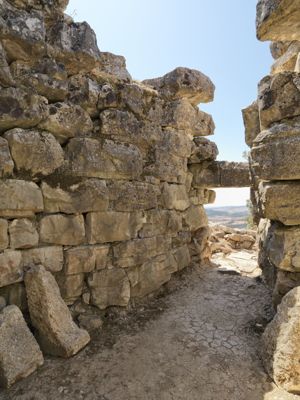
94,172
273,133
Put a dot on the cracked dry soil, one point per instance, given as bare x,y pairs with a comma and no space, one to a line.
199,340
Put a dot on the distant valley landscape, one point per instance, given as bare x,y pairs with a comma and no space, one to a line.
235,217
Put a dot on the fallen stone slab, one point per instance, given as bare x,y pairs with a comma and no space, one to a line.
57,333
20,354
281,344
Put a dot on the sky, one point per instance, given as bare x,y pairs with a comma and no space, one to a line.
216,37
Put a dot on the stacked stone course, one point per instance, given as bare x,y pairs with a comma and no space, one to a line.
96,194
273,132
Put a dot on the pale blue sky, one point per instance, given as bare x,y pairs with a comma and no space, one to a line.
216,37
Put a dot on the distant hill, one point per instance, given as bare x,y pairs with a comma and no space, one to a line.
235,217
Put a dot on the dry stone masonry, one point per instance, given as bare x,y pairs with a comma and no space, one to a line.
273,133
103,180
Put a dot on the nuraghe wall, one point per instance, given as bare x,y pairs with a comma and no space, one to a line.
103,180
273,133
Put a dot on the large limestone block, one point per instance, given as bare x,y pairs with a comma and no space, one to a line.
20,354
278,98
112,226
151,275
57,334
283,248
20,198
4,240
51,257
6,162
109,287
108,160
18,108
175,197
62,230
161,222
84,259
66,121
276,151
251,122
22,33
281,344
181,115
278,20
280,201
11,268
89,195
184,83
23,234
284,282
35,152
203,150
6,79
111,66
133,196
138,251
287,62
220,174
195,218
73,44
182,257
71,286
85,92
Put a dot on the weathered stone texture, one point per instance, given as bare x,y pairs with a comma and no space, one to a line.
57,334
62,229
20,354
23,234
281,343
6,162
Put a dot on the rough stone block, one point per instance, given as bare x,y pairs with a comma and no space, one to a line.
57,334
6,79
62,230
175,197
67,121
73,44
20,354
161,222
132,196
184,83
34,152
23,234
151,275
109,287
85,259
6,162
85,92
287,62
71,286
182,257
203,150
89,195
181,115
136,252
195,218
21,109
112,226
276,152
278,98
22,33
20,198
281,344
278,20
11,269
90,158
251,122
284,282
52,257
4,240
279,201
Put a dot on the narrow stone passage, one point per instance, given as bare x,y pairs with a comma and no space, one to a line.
199,341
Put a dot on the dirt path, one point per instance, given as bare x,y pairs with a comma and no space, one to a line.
199,342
